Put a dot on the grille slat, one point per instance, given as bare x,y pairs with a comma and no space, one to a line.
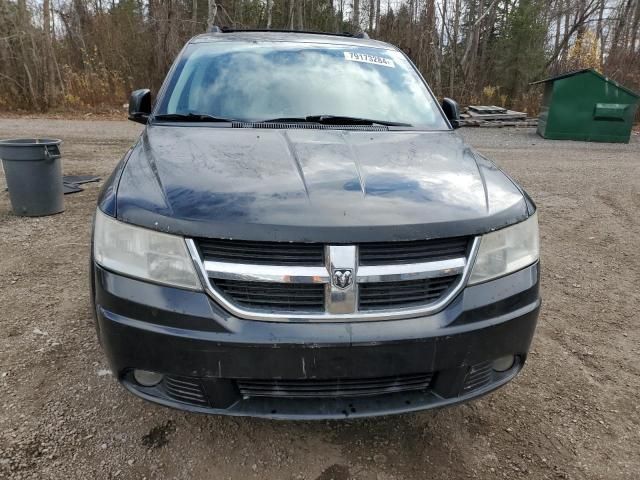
333,388
280,296
346,383
402,294
262,253
184,395
412,250
435,285
419,251
272,294
277,254
185,390
479,375
406,299
397,258
342,388
405,294
433,243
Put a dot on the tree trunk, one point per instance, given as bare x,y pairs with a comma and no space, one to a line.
372,14
454,53
355,17
378,17
567,19
599,31
49,85
194,15
634,29
558,9
213,12
22,13
300,14
269,10
291,13
484,68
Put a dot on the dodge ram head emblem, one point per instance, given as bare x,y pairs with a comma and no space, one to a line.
342,278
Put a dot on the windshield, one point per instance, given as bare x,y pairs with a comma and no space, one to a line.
266,81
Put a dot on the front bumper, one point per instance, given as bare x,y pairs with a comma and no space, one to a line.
209,356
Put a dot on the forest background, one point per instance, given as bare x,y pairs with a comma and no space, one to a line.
75,55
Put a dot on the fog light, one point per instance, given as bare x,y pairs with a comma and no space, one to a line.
503,364
147,378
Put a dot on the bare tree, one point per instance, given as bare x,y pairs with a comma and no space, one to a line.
300,15
599,30
372,14
212,14
291,12
634,46
194,14
581,17
355,16
100,49
269,13
454,46
50,79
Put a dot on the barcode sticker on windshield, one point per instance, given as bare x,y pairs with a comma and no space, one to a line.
366,58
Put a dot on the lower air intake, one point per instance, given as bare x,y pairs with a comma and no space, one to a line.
361,387
478,376
185,390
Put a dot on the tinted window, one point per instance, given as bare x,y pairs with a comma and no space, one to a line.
250,81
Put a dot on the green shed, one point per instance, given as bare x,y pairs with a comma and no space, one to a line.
585,105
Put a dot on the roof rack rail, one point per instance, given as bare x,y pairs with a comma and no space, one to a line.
217,29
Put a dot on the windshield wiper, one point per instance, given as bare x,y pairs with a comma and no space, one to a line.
190,117
336,120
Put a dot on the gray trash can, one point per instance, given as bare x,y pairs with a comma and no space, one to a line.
33,170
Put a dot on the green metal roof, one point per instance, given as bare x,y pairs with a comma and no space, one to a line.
587,70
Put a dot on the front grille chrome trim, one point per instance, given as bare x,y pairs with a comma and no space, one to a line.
412,271
320,274
266,273
366,274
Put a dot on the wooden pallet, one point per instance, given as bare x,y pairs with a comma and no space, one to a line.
527,122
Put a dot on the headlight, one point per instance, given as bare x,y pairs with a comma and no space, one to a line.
506,251
142,253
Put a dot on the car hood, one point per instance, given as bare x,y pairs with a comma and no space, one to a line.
323,185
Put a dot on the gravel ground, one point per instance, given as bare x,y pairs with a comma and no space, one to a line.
572,413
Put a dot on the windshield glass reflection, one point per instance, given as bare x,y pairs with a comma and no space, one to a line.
254,82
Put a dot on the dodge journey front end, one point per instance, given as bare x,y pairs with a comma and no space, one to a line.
299,233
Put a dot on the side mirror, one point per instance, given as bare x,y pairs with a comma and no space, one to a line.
452,111
140,105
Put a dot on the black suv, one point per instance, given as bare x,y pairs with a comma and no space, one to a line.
299,233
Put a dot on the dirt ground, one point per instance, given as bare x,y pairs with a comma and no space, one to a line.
573,412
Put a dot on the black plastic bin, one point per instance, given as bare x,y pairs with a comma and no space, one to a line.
33,170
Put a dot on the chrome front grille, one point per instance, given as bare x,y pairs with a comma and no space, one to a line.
279,281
